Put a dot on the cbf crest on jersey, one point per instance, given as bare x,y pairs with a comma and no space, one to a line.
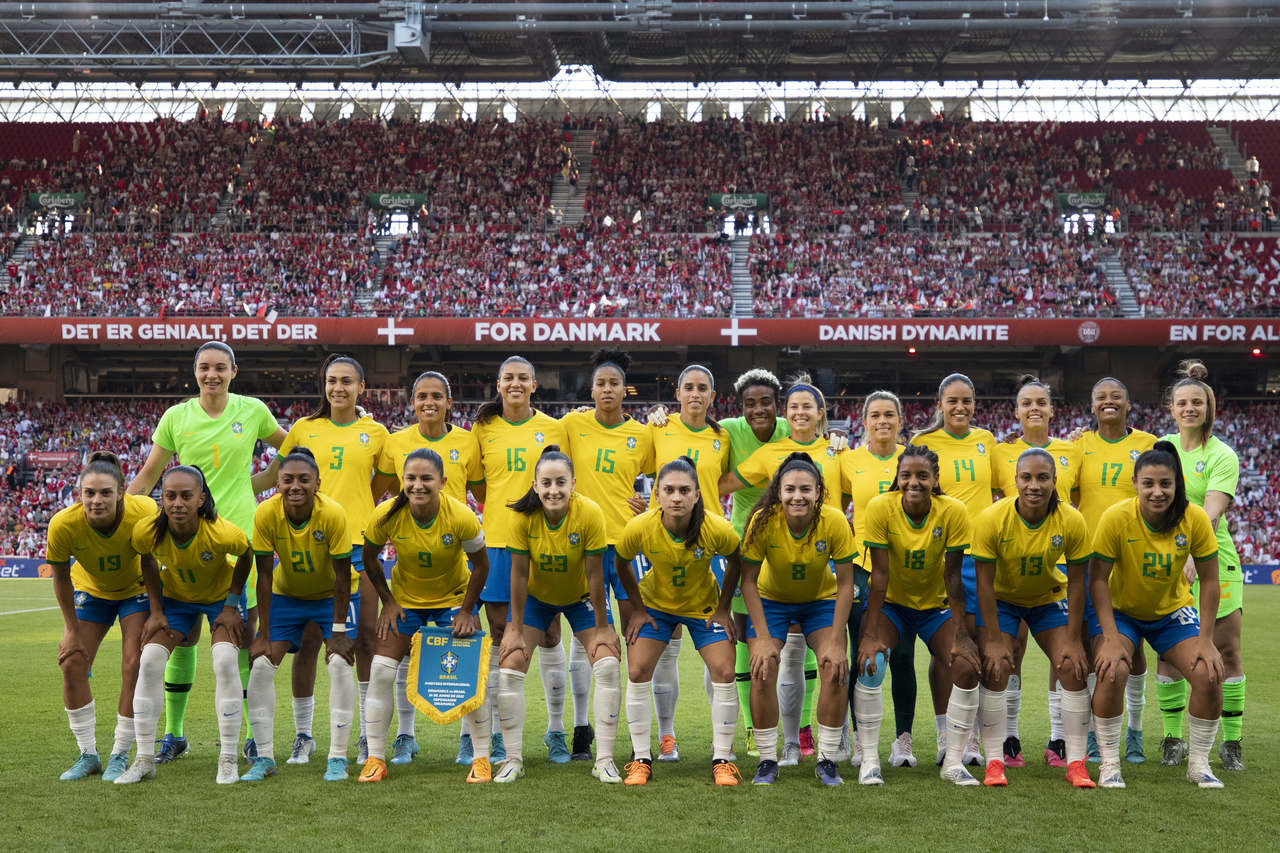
1057,540
574,538
446,539
206,556
820,546
1064,462
1133,454
237,427
364,438
1200,467
980,447
539,437
631,442
937,533
454,456
699,552
317,535
715,444
1180,540
447,674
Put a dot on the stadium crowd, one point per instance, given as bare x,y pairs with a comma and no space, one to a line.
1186,275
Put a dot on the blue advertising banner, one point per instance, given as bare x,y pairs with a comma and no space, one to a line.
448,674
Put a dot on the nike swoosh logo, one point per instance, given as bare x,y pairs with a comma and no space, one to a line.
1133,540
314,435
1088,453
583,434
402,537
228,713
773,546
891,533
1002,541
490,440
340,725
859,471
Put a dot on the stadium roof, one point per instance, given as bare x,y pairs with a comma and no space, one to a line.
653,40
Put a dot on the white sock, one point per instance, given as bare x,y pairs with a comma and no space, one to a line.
1108,733
1013,707
124,735
767,743
707,683
342,706
491,694
992,708
404,708
364,691
939,723
608,674
1090,682
828,740
1200,737
478,721
377,703
724,718
511,711
148,698
1135,697
1075,723
304,712
84,722
580,681
868,710
1055,712
551,664
262,705
228,696
791,687
962,713
640,697
666,687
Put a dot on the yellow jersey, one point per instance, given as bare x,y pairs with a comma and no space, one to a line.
708,449
866,475
679,580
606,462
556,572
1146,567
431,564
1066,460
198,571
796,569
508,453
346,454
306,552
917,551
458,451
1106,471
965,464
758,468
105,565
1027,557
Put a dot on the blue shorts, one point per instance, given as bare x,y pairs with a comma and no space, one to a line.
1162,634
289,618
697,628
923,623
581,615
497,586
969,575
105,611
611,580
717,569
182,616
416,617
1040,618
780,616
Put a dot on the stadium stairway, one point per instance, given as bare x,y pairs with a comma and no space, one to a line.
19,251
363,299
562,197
1118,281
228,198
1221,137
744,302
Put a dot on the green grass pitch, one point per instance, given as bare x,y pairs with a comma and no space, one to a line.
563,808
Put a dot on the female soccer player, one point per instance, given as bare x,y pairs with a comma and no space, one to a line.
1018,543
1140,592
433,534
511,435
917,537
310,586
218,432
609,451
556,551
185,551
104,583
1212,470
793,538
679,538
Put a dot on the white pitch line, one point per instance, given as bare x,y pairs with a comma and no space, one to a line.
32,610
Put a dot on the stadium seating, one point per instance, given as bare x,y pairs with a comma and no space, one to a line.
1218,275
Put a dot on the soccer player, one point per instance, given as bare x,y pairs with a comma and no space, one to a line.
556,568
1018,543
311,585
184,553
434,535
97,580
609,451
918,537
218,432
1212,470
679,538
793,539
1140,592
511,435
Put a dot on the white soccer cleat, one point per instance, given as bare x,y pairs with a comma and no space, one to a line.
228,770
510,772
956,774
606,771
790,755
972,752
1202,776
1109,776
142,768
900,754
942,747
869,773
303,747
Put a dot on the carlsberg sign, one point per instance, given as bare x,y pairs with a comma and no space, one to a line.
396,200
58,200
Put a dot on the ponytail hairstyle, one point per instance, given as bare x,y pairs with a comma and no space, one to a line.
802,384
711,379
529,502
1030,379
1040,452
207,511
431,374
303,455
765,509
615,358
919,451
220,347
323,410
488,411
104,462
757,377
1194,374
685,465
401,500
936,422
876,396
1164,453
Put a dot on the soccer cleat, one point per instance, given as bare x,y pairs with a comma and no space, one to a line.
1203,777
228,769
142,768
169,748
995,777
303,747
900,754
1013,753
404,749
557,752
86,765
512,769
1172,751
1055,753
116,764
1091,748
336,770
606,771
583,737
806,741
791,753
481,772
1133,747
869,773
362,750
766,773
752,750
1229,753
667,750
466,751
497,749
260,769
375,770
972,751
725,773
843,752
828,773
1078,775
638,772
855,760
1109,776
250,750
958,775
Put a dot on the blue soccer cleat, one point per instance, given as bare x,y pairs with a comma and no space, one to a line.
466,751
1133,747
336,770
261,768
117,763
170,748
497,749
404,749
766,773
1091,749
86,765
828,773
557,751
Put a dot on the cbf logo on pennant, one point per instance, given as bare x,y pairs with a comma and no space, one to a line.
447,674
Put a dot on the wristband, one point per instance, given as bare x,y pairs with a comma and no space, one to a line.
233,600
339,627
